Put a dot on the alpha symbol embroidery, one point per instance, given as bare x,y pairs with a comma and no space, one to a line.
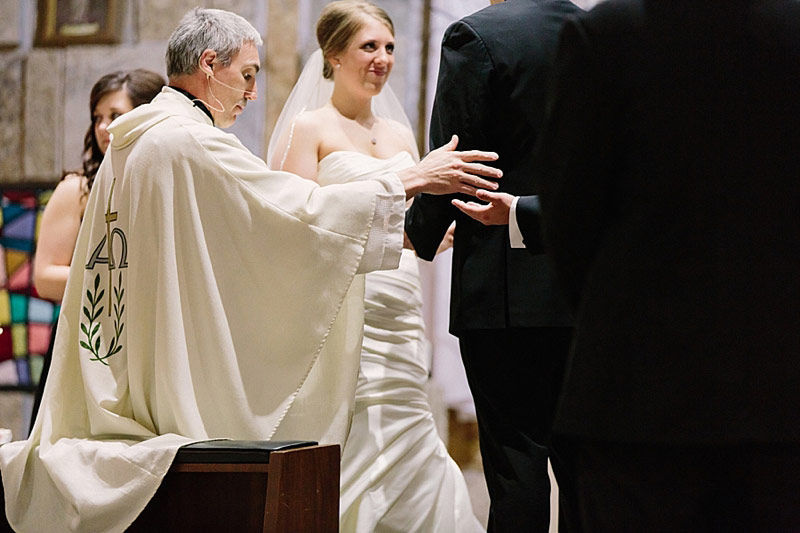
93,309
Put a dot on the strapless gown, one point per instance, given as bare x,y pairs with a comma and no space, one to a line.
396,473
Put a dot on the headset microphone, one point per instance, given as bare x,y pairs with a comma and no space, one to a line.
245,91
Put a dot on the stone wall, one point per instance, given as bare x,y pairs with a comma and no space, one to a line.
45,91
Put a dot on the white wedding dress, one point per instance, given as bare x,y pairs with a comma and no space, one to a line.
396,473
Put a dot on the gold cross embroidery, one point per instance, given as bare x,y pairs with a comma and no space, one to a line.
110,217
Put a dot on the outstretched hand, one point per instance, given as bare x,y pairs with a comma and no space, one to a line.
495,213
446,171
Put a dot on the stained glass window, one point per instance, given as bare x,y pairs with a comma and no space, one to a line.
26,319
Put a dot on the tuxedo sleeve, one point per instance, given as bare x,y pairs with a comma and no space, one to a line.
459,107
575,159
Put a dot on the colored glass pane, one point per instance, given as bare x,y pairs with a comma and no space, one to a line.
38,338
36,362
6,348
20,281
38,224
17,244
8,373
11,210
23,371
21,227
25,319
44,196
5,308
19,308
14,260
19,338
24,198
40,311
3,277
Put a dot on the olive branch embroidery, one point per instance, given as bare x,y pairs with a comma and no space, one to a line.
90,330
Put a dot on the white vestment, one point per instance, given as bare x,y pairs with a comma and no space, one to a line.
204,295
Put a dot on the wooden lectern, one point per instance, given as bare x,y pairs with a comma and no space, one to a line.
246,486
258,486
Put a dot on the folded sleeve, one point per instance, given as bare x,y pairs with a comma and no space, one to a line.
385,239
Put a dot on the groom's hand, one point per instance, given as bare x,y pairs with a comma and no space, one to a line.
496,212
446,171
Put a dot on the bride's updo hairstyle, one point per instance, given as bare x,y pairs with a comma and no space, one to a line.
339,22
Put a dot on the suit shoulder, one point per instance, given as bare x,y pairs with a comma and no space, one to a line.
520,17
519,27
460,33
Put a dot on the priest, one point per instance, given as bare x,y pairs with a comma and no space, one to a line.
204,295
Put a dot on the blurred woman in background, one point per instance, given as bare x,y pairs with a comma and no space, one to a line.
112,95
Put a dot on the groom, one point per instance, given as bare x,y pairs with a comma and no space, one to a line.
670,208
512,325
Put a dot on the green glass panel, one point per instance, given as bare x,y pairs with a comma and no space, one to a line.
19,308
36,362
19,338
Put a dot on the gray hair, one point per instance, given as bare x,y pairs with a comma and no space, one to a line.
201,29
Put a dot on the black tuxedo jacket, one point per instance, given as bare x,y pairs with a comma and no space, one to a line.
670,170
529,221
491,91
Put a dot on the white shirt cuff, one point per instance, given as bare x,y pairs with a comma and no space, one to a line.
514,235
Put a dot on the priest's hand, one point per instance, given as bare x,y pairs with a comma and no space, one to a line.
446,171
495,213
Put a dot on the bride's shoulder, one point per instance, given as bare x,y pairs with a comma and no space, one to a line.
311,125
316,117
302,136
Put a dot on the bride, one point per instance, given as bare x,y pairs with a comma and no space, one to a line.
396,472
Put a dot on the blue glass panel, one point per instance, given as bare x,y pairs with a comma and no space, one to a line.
40,311
23,371
22,227
17,244
11,211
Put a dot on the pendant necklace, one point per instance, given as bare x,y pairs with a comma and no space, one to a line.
373,139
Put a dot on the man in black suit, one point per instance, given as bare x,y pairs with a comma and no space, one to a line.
512,324
669,166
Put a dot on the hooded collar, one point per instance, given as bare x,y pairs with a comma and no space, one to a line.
168,103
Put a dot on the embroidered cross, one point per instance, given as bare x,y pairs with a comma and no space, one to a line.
110,217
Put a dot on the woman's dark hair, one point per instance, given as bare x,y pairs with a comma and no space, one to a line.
140,85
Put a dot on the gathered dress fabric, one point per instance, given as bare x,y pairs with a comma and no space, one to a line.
396,472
